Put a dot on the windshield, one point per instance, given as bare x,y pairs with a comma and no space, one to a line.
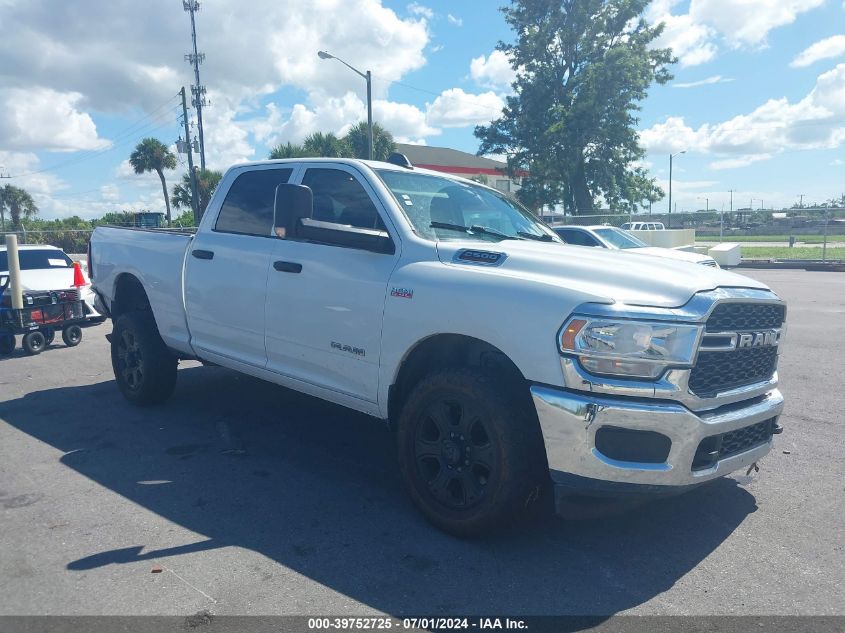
619,238
37,259
444,209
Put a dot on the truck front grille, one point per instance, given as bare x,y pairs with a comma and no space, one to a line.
737,317
716,447
716,372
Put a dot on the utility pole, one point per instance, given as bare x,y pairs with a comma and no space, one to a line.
195,202
197,90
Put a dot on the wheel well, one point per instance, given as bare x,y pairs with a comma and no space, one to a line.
449,350
129,294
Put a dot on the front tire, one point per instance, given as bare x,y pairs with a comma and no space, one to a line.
144,368
470,452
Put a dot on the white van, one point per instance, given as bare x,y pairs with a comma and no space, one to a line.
643,226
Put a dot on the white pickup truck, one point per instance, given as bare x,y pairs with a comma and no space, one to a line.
505,360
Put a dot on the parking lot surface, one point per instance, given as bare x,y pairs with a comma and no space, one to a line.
241,497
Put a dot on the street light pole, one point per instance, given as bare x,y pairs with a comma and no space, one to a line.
368,77
671,158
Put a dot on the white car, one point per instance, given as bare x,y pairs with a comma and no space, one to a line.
49,268
617,239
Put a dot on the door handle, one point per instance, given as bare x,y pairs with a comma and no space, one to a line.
287,267
201,254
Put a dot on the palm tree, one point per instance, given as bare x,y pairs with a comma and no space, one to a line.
207,181
357,139
153,155
19,203
328,145
288,150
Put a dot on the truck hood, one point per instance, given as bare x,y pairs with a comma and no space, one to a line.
607,275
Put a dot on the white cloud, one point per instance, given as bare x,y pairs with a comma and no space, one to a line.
823,49
110,193
252,49
454,20
131,57
41,118
691,43
695,36
748,23
417,9
406,122
740,161
814,122
715,79
494,71
456,108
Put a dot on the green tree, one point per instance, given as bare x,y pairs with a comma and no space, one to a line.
582,67
207,181
328,145
153,155
357,139
19,203
288,150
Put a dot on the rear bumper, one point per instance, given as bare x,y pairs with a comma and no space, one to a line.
570,423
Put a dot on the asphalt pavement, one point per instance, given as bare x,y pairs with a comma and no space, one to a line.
241,497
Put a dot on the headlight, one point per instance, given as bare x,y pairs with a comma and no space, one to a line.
620,347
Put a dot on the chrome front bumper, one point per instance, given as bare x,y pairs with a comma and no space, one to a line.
570,420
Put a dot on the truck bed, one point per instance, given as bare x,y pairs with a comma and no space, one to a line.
156,258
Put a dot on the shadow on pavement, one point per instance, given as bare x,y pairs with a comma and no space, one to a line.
316,488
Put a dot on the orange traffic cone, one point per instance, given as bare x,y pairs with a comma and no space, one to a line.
78,277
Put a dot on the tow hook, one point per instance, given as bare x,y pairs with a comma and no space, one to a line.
753,467
590,414
777,430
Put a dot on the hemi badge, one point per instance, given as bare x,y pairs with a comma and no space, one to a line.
402,293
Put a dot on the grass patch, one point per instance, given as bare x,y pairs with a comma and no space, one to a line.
784,252
808,239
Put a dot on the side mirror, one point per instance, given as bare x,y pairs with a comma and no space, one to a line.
293,202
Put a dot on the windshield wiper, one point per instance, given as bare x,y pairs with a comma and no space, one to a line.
474,229
543,237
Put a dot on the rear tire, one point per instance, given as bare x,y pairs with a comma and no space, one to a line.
7,344
34,342
470,452
72,335
144,368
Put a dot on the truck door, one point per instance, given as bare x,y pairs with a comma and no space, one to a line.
325,303
226,270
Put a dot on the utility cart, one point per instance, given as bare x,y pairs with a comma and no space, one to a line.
43,313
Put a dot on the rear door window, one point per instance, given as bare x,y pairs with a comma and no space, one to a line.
248,207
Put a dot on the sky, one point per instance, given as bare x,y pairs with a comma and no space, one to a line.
757,102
